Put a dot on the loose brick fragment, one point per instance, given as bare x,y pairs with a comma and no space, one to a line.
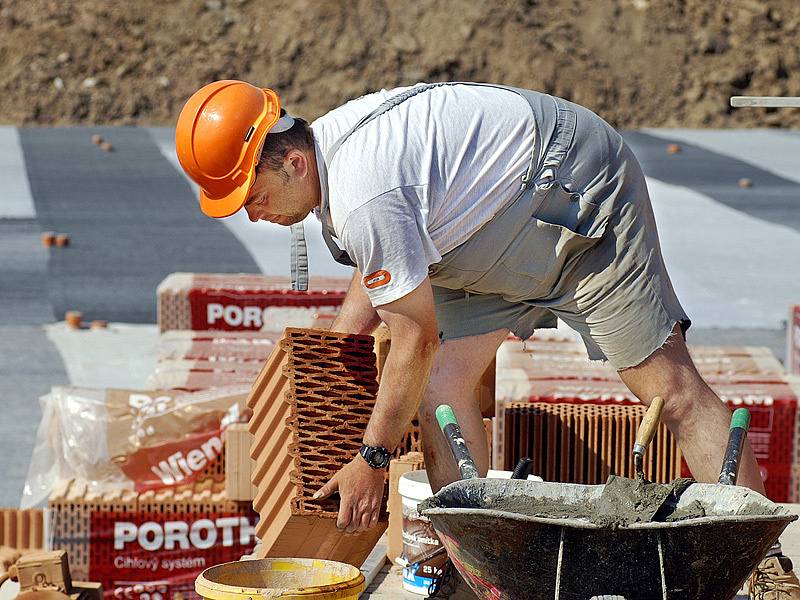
73,319
97,139
106,147
744,182
48,238
673,148
62,239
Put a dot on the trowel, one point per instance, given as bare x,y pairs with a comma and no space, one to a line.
625,500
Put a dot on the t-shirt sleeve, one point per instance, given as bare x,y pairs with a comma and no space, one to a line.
387,239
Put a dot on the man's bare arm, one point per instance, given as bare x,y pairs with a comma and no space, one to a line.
412,323
357,314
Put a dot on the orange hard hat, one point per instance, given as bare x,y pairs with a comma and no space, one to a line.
219,136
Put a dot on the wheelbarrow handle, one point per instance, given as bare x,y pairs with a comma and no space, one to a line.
452,433
740,423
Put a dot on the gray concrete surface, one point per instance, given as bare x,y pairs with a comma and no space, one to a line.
131,216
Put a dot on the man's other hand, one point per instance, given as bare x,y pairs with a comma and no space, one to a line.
361,491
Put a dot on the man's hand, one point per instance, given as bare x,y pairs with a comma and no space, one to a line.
361,490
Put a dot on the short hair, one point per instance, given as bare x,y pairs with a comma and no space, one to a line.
276,145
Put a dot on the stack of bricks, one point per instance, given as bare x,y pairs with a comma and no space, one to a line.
240,302
793,340
159,539
582,443
22,529
193,360
223,346
557,372
567,360
311,404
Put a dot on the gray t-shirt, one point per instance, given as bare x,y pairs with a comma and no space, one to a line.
422,178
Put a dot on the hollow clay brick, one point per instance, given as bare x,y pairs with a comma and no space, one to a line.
238,464
311,403
581,443
22,529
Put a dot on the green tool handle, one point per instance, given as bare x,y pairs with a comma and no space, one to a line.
452,433
740,423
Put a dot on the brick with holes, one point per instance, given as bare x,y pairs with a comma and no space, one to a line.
311,403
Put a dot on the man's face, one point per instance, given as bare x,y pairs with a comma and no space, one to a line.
284,197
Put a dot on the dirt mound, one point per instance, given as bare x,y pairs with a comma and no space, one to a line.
636,62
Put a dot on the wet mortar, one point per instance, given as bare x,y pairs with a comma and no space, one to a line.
623,503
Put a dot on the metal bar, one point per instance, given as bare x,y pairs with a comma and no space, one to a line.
661,567
766,101
559,564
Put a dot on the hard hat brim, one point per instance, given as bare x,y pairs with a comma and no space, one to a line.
219,208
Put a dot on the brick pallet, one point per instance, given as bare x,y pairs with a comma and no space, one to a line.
153,542
773,407
793,340
310,403
559,360
229,301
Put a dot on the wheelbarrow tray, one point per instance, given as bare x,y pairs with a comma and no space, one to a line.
507,540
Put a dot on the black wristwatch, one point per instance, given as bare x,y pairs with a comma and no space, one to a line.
376,457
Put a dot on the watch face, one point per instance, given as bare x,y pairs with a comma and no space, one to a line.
376,457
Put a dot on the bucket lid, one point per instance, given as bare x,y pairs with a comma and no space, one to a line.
414,485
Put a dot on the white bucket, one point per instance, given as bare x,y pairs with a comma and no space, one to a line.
418,533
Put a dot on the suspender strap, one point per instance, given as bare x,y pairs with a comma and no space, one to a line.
339,255
299,258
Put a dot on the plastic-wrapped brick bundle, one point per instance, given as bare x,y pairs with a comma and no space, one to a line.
237,302
129,439
152,544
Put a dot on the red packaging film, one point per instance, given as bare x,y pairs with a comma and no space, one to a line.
151,545
240,302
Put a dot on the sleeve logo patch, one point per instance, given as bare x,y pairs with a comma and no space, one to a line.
377,279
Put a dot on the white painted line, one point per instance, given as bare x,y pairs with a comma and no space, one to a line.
16,200
772,150
765,101
728,268
268,243
120,356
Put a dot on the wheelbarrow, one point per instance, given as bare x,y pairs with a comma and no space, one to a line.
519,539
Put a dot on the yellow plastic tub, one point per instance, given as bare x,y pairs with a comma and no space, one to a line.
284,578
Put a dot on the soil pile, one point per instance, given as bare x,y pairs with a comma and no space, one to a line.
636,62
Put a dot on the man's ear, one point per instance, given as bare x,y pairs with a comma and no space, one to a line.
296,163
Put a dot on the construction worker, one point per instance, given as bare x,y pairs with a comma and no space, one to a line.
468,211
